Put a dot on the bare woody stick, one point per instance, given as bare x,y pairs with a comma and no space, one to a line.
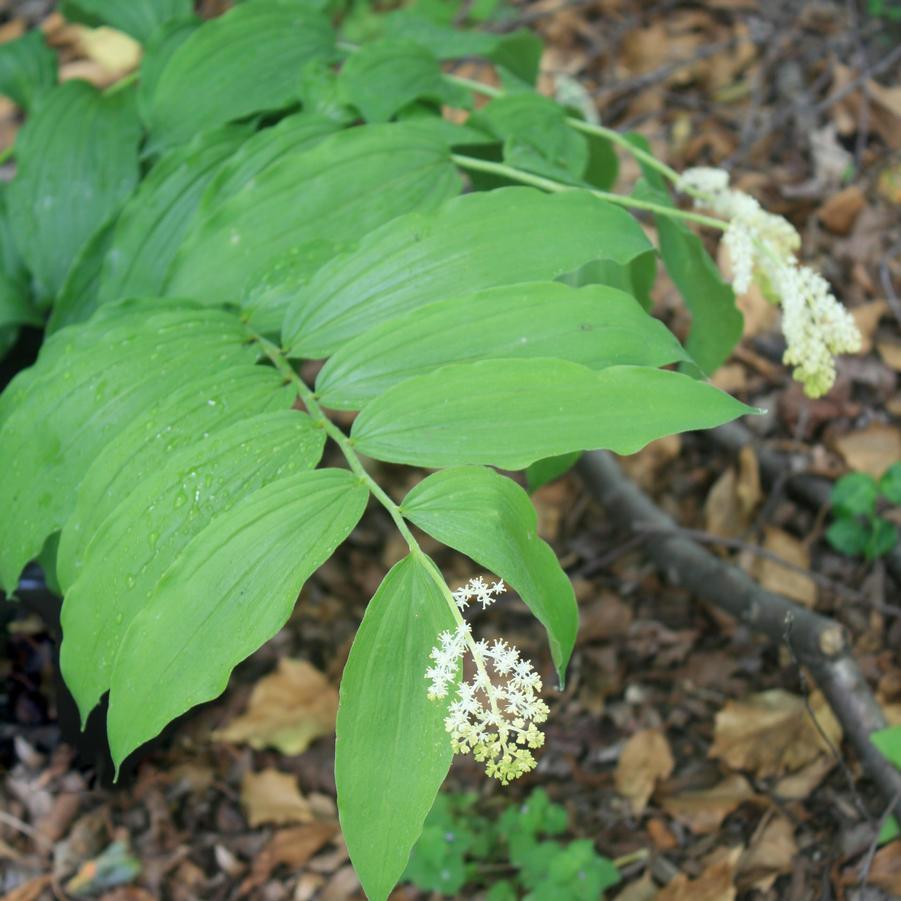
819,643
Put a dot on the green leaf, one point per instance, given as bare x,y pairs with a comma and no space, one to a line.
291,136
603,163
594,326
550,469
15,305
157,53
192,413
232,588
385,76
716,322
473,242
244,62
78,296
77,163
890,484
536,136
637,277
854,494
392,752
491,519
139,18
191,489
519,51
848,536
152,225
343,188
890,830
27,69
509,413
888,741
88,384
881,538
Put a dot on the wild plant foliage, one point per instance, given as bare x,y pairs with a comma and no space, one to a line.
264,193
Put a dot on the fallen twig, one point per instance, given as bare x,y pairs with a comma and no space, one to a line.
816,642
776,467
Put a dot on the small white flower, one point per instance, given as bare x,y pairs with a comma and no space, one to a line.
762,246
495,716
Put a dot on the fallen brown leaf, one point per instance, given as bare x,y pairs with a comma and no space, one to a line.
890,351
886,869
866,318
771,733
840,210
646,757
273,797
714,884
772,853
29,891
731,501
703,811
782,579
872,449
797,786
287,710
288,847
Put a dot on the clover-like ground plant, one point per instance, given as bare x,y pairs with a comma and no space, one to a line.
268,190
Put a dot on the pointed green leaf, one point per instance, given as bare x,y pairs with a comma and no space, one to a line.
595,326
157,53
197,410
343,188
139,18
490,518
152,225
716,322
542,472
77,298
80,395
231,589
509,413
77,163
192,487
244,62
473,242
392,751
384,76
27,69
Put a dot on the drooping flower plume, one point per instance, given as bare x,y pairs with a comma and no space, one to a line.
495,716
762,247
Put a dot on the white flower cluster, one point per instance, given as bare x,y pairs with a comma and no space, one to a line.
496,715
762,246
479,590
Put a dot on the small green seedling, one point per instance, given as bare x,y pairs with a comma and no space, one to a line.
889,743
459,847
858,529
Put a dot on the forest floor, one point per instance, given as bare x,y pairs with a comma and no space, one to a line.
683,744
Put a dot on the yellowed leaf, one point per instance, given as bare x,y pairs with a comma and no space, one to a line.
114,51
781,579
703,811
287,710
771,853
771,733
872,449
716,883
273,797
646,757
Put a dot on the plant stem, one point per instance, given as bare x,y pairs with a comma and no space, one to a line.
601,131
278,359
548,184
